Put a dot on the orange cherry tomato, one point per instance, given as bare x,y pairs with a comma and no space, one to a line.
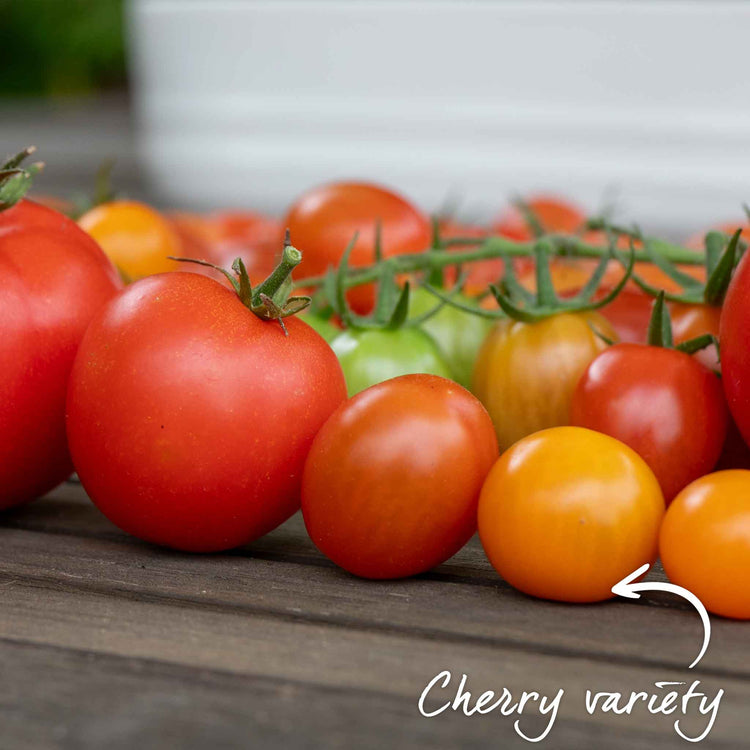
323,221
554,214
391,483
525,373
567,513
136,237
705,542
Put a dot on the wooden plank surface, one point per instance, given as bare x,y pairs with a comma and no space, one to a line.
108,641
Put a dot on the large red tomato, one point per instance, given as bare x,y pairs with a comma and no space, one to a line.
323,221
53,278
664,404
190,419
734,334
392,481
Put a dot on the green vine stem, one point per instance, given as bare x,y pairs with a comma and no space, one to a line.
499,247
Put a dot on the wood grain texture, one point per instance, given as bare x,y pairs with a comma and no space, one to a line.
108,641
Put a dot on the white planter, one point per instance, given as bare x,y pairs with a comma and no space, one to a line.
249,103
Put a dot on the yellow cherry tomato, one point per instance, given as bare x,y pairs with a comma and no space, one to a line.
705,542
567,513
137,238
525,373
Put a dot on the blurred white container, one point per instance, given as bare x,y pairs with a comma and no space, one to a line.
249,103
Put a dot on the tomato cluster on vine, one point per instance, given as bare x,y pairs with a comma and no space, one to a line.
550,380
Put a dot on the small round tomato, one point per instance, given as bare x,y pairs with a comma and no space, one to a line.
369,356
137,238
691,321
554,214
323,221
525,373
567,513
458,334
391,483
705,542
734,334
189,418
53,279
664,404
629,313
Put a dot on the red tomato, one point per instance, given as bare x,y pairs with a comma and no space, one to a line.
554,214
705,542
662,403
734,334
629,313
391,483
189,418
566,513
53,278
220,238
323,221
480,274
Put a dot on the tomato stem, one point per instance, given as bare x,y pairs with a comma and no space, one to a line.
15,180
499,247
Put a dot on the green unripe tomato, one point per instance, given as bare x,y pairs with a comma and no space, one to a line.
458,334
373,355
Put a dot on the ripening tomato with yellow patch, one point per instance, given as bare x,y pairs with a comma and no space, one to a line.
525,373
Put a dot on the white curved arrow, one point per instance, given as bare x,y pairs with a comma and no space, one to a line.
628,589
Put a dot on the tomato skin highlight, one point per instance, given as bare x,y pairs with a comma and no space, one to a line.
189,418
53,278
665,405
691,321
734,334
323,221
567,512
371,356
391,483
136,237
705,542
525,373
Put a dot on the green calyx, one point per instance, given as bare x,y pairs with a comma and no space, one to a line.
660,331
391,305
271,299
15,180
520,304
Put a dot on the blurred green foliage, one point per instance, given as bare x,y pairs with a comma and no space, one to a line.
60,47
